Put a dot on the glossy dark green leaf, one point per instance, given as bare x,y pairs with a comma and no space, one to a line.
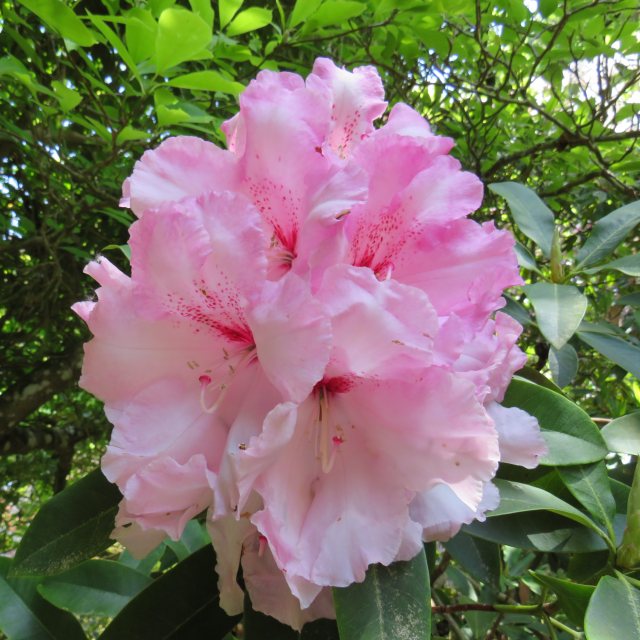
570,434
392,603
629,551
614,611
617,349
25,615
531,215
257,625
479,558
629,265
589,483
72,527
607,234
96,587
516,497
563,364
182,604
623,434
559,310
573,598
538,531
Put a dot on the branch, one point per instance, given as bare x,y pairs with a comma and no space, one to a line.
24,397
21,440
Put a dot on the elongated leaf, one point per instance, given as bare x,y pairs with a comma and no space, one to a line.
614,611
539,531
623,434
570,434
249,20
61,18
206,81
573,598
182,604
391,603
617,349
302,10
629,551
531,215
607,234
479,557
228,9
25,615
590,485
96,587
181,36
516,497
72,527
337,12
525,259
629,265
563,364
559,310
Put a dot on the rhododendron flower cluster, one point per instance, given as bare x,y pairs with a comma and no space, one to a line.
309,346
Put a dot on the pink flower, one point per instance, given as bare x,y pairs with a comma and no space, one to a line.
308,345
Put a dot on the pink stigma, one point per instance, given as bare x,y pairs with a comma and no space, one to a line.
337,440
204,380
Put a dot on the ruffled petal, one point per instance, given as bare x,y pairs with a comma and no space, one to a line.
519,435
179,167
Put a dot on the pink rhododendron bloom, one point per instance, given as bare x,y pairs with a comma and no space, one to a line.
309,346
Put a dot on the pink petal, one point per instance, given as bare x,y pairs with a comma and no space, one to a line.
519,436
441,513
376,324
463,267
179,167
129,533
356,99
292,335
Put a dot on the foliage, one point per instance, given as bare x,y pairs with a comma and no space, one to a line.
539,100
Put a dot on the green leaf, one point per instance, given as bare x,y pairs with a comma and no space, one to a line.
539,531
525,259
203,9
563,364
531,215
68,98
182,604
478,557
96,587
393,602
140,34
130,133
623,434
249,20
629,551
257,625
113,39
181,36
570,434
613,612
589,484
62,19
72,527
302,10
559,310
25,615
206,81
337,12
573,598
547,7
629,265
617,349
228,9
516,497
607,234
